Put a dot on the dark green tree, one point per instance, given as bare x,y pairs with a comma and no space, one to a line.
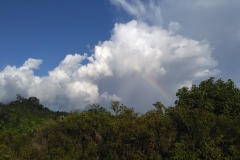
217,96
159,107
97,109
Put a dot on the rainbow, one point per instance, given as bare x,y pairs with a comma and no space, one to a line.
157,86
152,82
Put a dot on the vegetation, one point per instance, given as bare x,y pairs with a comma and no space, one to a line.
203,124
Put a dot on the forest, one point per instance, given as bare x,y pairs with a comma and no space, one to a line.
204,123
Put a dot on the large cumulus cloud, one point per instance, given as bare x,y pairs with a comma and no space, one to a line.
120,68
139,53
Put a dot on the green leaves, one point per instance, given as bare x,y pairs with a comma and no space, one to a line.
218,97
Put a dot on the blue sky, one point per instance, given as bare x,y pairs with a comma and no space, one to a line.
73,53
51,29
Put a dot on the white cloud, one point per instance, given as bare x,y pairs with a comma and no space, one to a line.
31,64
142,10
125,66
14,79
137,49
138,65
62,89
187,83
207,73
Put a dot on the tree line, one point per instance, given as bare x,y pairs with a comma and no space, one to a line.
204,123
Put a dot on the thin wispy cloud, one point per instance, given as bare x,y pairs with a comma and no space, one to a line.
149,11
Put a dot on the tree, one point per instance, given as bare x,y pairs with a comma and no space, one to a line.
20,99
96,109
206,117
159,107
115,107
33,101
218,97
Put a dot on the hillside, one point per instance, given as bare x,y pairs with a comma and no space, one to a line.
24,114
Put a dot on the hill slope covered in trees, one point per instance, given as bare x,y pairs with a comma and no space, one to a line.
203,124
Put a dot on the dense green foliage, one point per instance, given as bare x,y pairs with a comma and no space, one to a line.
203,124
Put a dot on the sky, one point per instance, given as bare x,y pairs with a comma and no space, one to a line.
70,54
